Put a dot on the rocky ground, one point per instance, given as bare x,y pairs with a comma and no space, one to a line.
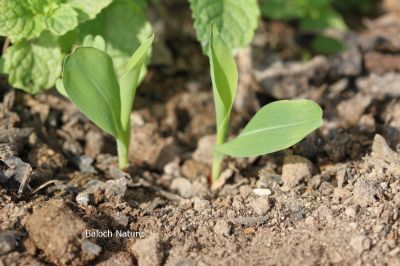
333,199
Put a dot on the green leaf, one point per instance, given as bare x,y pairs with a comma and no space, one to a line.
224,78
90,82
327,45
130,81
60,88
28,18
276,126
33,65
281,9
124,26
62,20
95,41
88,9
236,20
322,19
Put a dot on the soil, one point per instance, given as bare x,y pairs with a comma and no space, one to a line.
332,199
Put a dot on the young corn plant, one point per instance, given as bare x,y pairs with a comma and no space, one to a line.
90,82
274,127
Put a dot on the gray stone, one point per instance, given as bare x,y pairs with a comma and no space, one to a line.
83,198
115,189
8,241
91,249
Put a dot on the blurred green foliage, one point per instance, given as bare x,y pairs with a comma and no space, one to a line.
314,16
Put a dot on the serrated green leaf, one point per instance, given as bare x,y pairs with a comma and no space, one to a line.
236,20
33,65
17,20
123,25
62,20
88,9
90,82
29,18
224,76
276,126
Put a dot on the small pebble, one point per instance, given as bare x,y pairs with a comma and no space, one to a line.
351,211
249,231
360,243
83,198
260,205
222,228
183,186
115,189
262,191
91,249
201,205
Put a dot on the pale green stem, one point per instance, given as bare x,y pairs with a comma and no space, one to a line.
216,165
122,154
217,156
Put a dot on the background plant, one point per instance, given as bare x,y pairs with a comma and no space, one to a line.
313,16
40,33
274,127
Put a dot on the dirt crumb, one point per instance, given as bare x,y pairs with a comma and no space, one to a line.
61,242
149,250
295,169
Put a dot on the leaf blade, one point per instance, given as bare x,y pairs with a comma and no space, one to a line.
130,81
224,76
90,82
276,126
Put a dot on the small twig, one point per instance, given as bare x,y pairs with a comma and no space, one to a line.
44,185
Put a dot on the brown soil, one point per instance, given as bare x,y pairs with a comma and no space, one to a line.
333,199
